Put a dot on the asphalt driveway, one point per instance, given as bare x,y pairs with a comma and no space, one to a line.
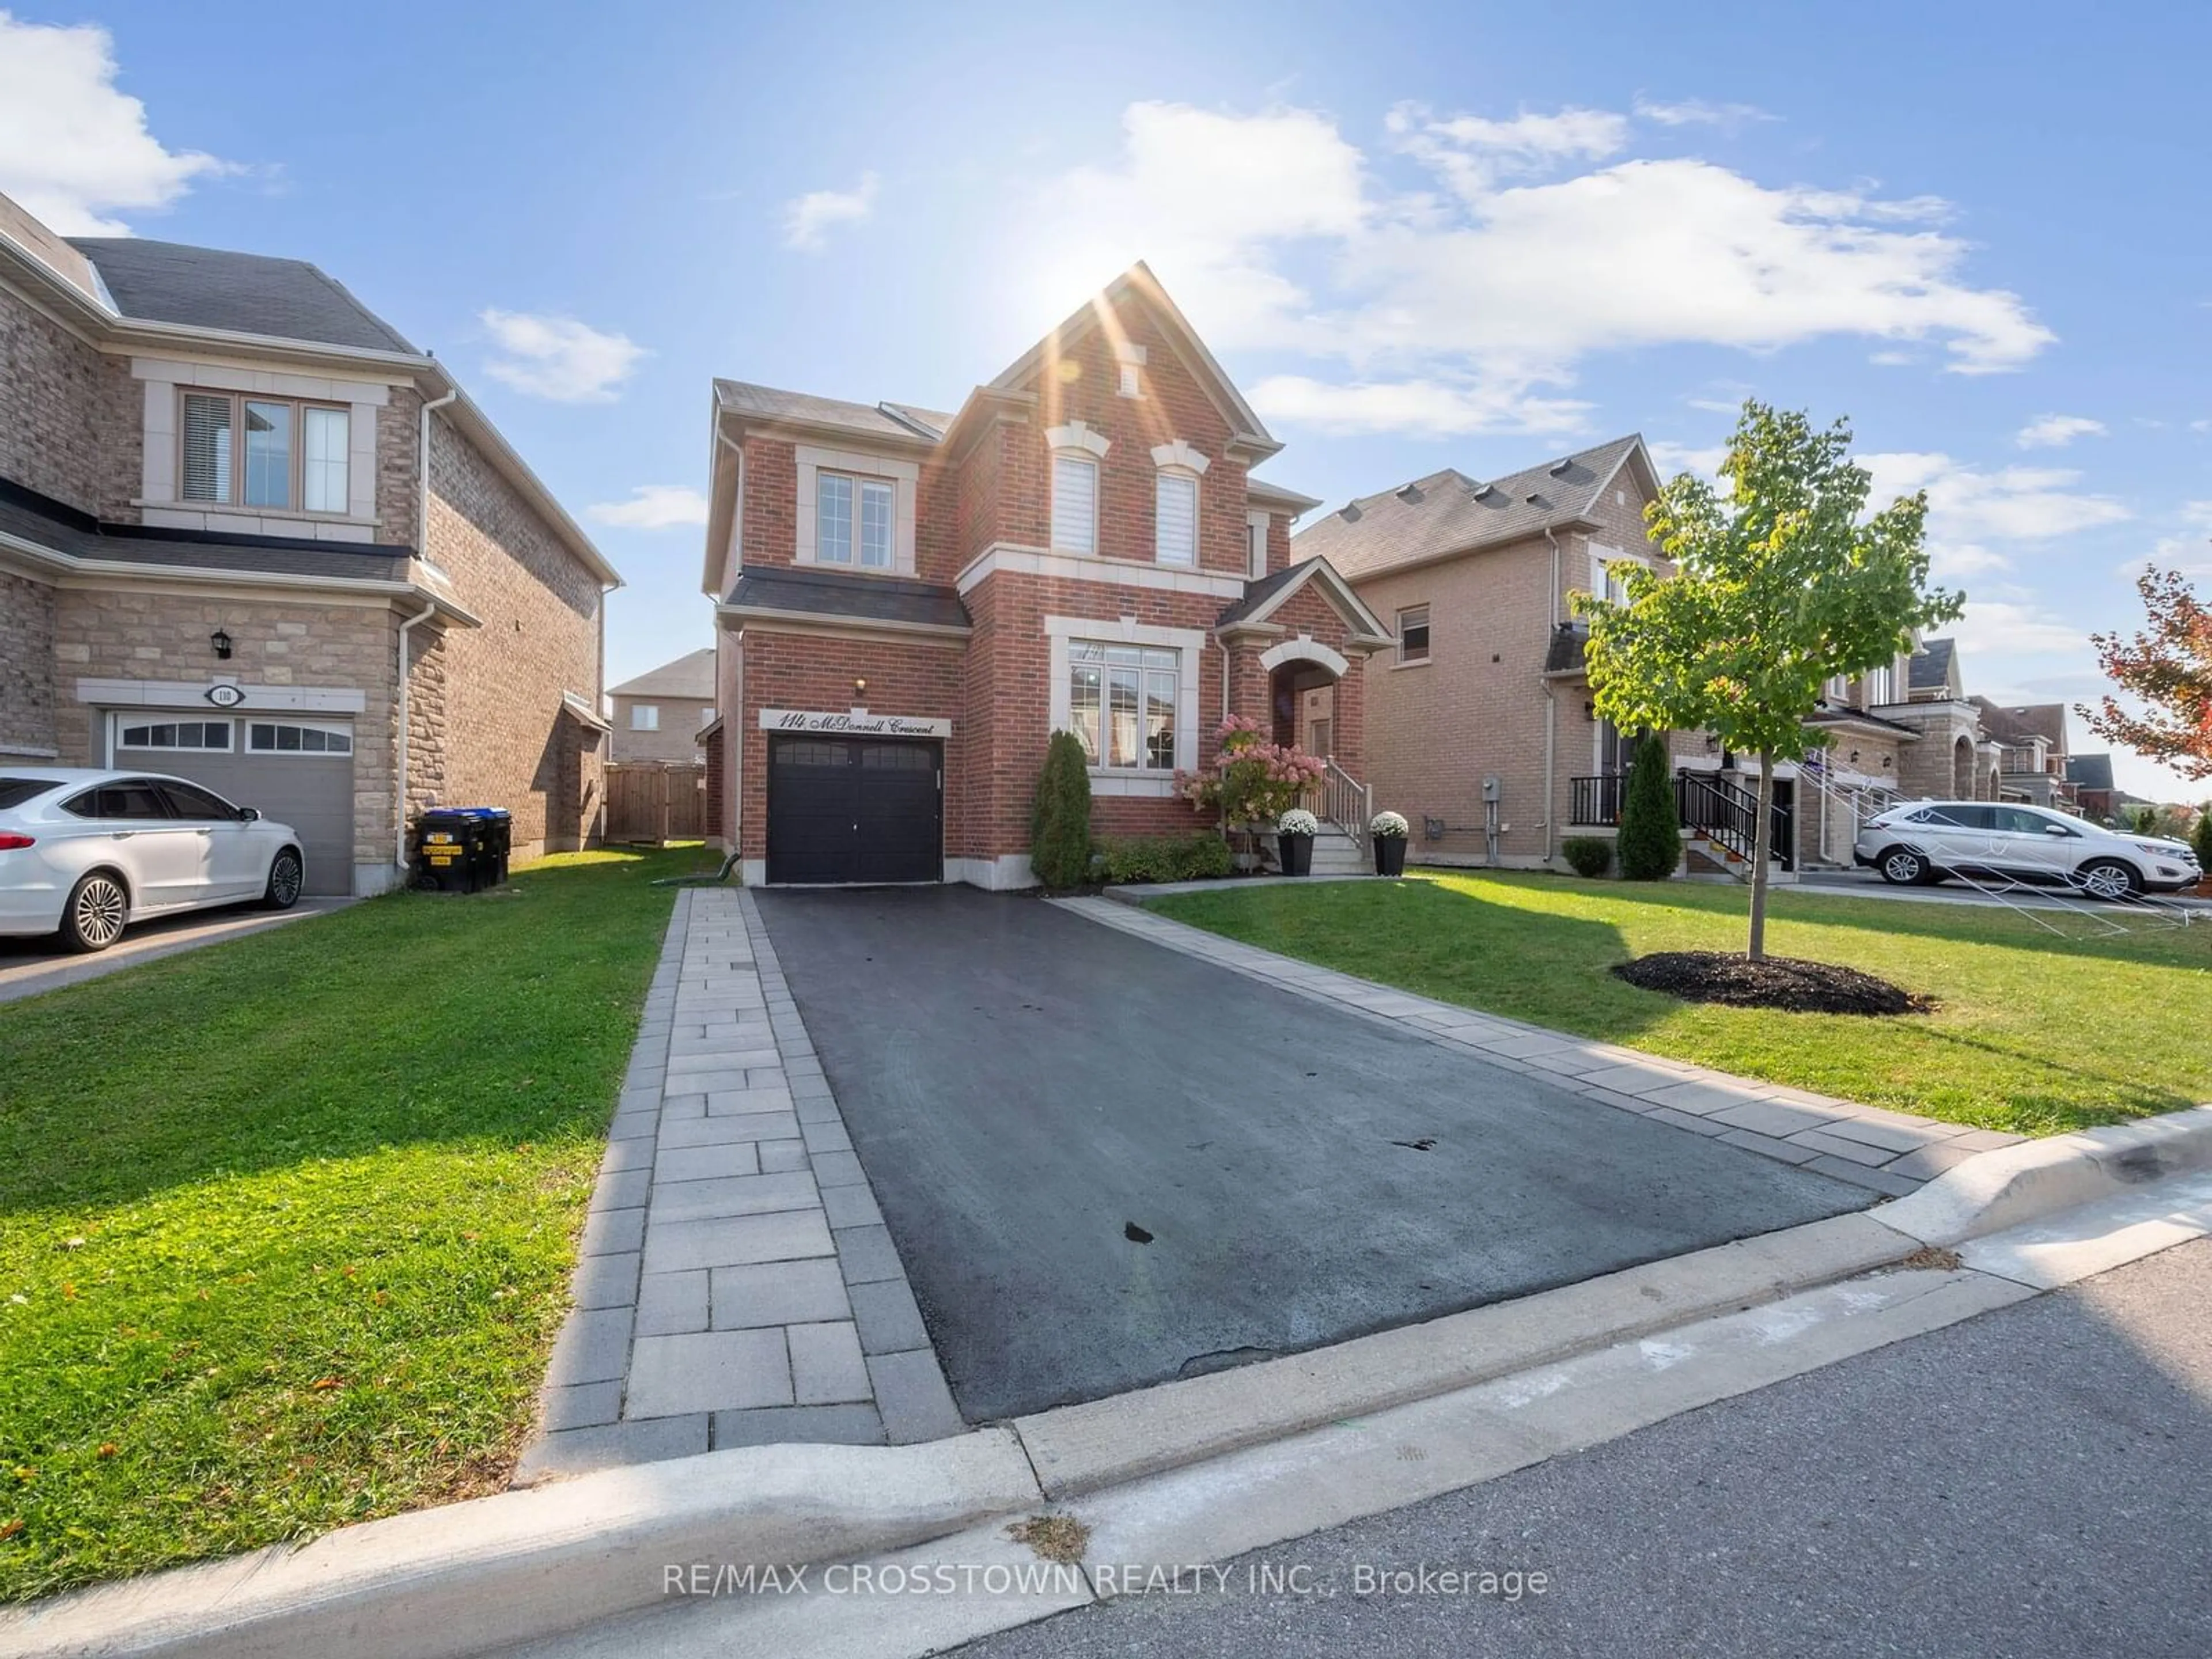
1108,1165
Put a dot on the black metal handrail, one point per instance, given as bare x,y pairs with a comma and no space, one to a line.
1596,800
1709,804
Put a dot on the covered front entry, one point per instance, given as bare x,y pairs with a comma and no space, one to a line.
854,809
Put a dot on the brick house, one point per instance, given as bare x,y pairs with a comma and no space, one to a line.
1482,728
910,602
251,535
659,716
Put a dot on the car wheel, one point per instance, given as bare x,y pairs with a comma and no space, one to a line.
2109,880
285,875
1900,866
98,907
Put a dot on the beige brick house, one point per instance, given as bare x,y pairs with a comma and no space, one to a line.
657,716
223,556
1482,726
909,603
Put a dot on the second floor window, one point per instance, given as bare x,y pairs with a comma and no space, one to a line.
645,717
1176,530
852,520
1075,504
265,452
1413,634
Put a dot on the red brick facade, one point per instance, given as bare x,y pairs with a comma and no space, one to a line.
982,527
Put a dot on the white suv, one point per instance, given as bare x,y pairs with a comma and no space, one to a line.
1926,840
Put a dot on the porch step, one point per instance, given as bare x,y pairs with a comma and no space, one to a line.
1335,854
1709,858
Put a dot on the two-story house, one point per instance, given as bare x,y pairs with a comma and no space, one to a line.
910,602
250,536
658,715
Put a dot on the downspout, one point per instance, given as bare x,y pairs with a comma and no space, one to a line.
1551,710
407,625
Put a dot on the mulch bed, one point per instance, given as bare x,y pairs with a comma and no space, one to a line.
1798,988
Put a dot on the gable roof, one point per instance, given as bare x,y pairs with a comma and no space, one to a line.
1930,667
1138,282
2046,720
2089,771
903,423
692,675
1448,512
238,293
1266,595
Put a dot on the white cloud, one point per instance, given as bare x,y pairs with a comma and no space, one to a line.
651,507
558,357
72,147
1673,458
807,219
1697,113
2011,503
1471,307
2003,628
2056,431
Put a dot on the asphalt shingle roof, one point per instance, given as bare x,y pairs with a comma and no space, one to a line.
2089,771
1930,668
2046,720
243,292
49,524
692,675
1442,513
834,593
769,402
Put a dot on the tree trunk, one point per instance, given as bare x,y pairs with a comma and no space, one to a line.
1760,851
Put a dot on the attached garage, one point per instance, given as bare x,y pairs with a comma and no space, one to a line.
295,770
852,810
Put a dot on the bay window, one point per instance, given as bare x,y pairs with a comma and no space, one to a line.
1122,703
265,452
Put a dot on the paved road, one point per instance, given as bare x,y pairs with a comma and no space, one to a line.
2029,1483
1025,1087
28,966
1865,883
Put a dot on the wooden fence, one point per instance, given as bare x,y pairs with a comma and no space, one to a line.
649,801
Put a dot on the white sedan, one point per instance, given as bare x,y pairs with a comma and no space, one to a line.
85,853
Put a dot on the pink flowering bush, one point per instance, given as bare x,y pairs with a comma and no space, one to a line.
1252,781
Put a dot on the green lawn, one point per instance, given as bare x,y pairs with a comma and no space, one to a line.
2035,1034
286,1223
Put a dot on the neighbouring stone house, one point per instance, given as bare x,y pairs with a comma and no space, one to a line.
222,555
659,716
910,602
1482,729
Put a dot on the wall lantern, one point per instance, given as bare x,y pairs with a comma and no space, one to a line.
859,687
221,642
1854,758
1589,711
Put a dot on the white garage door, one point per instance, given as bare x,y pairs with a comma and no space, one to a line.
298,771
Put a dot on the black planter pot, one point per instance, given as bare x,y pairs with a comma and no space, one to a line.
1389,855
1297,853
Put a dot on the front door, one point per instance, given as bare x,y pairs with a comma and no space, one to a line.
854,809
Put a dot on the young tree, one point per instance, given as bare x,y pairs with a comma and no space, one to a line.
2168,667
1779,586
1059,823
1650,840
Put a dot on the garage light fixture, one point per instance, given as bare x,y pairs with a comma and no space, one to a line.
221,642
859,687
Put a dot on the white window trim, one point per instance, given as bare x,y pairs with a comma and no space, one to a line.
903,477
161,493
1077,442
167,717
1398,634
1601,557
1255,560
333,728
1179,454
1197,512
1126,630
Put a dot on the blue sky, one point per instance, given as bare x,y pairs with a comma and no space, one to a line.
1473,236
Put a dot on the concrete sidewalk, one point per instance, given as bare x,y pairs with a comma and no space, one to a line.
737,1286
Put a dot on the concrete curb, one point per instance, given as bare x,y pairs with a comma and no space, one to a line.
2015,1185
531,1565
474,1577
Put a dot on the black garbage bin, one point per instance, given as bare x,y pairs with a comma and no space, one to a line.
461,849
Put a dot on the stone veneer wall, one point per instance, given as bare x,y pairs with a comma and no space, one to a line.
27,658
71,418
